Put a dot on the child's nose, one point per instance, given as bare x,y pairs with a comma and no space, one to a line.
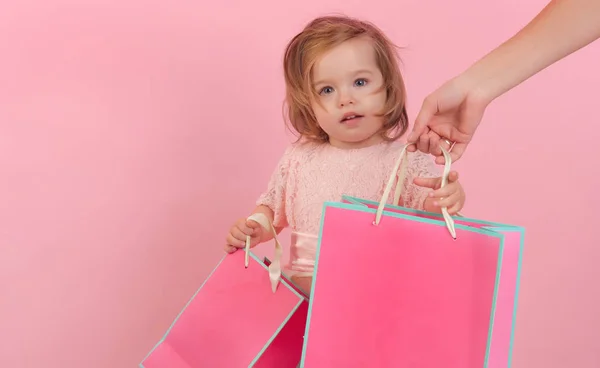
346,99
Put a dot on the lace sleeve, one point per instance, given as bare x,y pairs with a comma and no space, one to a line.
275,195
419,165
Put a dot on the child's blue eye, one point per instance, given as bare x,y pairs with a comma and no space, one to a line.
360,82
326,90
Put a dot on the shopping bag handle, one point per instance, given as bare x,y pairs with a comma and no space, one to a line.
275,266
399,170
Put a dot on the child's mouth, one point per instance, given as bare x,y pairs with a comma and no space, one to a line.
351,117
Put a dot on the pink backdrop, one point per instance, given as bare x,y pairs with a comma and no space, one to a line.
126,152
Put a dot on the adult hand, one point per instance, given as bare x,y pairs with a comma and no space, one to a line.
454,111
449,116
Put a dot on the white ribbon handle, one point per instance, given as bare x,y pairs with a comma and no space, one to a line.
275,266
400,170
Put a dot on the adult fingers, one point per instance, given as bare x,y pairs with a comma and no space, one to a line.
434,143
428,109
423,143
456,151
462,132
413,146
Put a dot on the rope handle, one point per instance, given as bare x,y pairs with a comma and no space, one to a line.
399,170
275,266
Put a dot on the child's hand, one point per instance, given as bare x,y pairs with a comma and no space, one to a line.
236,238
451,196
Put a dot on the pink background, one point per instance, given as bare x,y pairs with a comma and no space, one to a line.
126,151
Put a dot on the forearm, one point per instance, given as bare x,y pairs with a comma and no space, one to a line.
561,28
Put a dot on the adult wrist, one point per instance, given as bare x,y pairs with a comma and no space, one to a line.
477,87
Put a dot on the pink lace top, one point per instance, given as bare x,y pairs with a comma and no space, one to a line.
309,174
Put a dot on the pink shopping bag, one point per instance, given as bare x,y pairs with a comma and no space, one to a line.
417,291
502,339
235,319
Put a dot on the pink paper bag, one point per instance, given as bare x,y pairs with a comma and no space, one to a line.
506,304
413,296
235,320
392,289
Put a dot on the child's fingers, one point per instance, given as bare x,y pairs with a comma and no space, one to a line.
256,232
243,227
427,182
455,208
251,224
236,238
448,201
453,176
230,249
446,191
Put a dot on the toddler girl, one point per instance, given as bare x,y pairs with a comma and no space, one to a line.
346,100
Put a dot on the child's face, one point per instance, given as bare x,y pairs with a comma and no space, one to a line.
348,82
